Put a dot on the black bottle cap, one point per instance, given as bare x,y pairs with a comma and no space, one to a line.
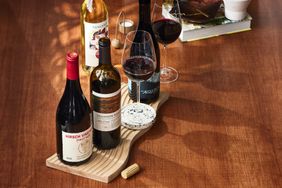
104,50
104,42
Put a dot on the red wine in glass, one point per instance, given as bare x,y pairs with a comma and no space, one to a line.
138,68
166,30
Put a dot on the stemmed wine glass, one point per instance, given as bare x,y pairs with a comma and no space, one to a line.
167,28
139,63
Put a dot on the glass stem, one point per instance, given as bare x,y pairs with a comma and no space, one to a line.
165,55
138,91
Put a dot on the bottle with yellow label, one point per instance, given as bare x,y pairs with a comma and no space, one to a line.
94,25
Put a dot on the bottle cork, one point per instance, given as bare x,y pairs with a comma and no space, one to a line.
130,171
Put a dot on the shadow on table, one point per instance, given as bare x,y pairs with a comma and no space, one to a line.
209,144
158,130
219,80
164,170
206,143
205,113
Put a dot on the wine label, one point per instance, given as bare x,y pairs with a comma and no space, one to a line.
77,146
148,88
93,32
106,113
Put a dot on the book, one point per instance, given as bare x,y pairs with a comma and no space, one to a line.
219,25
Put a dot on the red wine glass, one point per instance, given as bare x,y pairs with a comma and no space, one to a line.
167,28
139,63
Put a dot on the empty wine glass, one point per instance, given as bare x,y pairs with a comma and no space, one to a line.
139,63
167,28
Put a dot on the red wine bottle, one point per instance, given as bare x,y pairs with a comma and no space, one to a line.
150,88
105,88
73,125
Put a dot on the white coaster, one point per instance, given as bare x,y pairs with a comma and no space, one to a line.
138,116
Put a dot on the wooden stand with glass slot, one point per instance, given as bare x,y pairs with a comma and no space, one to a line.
105,165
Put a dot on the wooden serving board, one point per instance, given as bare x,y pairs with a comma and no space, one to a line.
105,165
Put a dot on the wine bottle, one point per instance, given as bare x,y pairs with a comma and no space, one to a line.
94,25
149,89
73,126
105,88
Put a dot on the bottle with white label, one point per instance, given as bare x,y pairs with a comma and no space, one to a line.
105,88
94,25
73,125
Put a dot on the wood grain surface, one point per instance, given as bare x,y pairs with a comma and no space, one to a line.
221,127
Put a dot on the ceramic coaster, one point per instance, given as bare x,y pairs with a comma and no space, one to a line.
138,116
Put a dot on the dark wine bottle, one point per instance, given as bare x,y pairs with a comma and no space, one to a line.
105,88
73,125
150,89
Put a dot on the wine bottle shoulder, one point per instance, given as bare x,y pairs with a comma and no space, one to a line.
105,80
105,71
72,107
148,27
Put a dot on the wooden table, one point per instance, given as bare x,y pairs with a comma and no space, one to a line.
222,126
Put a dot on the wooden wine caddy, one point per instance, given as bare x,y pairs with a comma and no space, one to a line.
105,165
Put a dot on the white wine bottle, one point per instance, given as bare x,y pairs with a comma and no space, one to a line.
94,25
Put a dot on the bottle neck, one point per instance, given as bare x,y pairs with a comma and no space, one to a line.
104,55
73,85
144,12
73,82
72,71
